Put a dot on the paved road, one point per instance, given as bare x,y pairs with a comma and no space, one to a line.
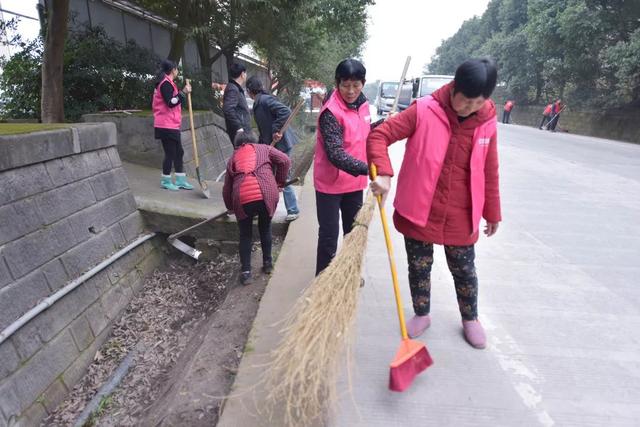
559,297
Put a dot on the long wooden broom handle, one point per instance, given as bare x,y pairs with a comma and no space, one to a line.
193,129
289,120
392,262
404,74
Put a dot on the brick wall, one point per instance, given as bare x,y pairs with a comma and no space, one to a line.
65,206
136,142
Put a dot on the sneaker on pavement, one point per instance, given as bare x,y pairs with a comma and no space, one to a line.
267,268
245,277
291,217
474,333
417,325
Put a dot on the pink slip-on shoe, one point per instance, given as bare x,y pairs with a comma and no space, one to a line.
474,333
417,325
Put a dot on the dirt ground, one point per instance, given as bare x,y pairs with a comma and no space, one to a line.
188,328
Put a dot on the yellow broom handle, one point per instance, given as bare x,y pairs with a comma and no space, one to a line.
392,262
193,130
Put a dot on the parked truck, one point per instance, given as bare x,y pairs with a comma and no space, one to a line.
385,97
418,87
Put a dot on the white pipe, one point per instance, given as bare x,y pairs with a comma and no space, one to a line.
50,300
221,175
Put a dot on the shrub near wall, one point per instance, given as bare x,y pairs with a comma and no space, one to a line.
65,207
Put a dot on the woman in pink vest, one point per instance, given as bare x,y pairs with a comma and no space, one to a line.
167,121
340,169
447,182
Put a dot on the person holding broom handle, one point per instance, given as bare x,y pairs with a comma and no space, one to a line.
448,181
167,121
340,169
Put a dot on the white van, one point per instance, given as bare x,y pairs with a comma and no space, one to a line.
385,97
418,87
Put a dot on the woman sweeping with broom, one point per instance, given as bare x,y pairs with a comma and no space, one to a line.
447,182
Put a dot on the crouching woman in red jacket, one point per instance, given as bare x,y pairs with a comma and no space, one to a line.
250,189
447,182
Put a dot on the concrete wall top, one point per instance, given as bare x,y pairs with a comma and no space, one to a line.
36,147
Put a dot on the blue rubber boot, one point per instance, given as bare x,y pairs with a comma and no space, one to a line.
167,184
181,181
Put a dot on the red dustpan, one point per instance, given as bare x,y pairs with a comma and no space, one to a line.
412,356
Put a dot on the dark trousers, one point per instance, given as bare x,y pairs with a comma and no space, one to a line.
553,122
506,115
545,119
329,207
173,154
460,260
246,233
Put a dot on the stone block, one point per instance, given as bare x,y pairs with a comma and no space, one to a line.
115,301
77,167
81,332
96,136
97,218
26,254
97,318
9,401
19,297
43,368
88,254
125,264
9,359
50,322
109,183
53,395
76,371
55,274
32,416
132,226
19,218
26,340
117,236
5,277
26,149
23,182
64,201
114,157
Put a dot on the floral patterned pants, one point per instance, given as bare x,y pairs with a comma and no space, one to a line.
460,261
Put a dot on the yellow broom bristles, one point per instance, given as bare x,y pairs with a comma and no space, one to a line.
302,376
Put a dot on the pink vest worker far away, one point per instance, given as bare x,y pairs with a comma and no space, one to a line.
423,159
356,124
163,116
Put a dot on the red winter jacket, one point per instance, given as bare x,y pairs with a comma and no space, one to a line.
547,110
508,106
449,221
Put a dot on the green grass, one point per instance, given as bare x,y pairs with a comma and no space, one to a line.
20,128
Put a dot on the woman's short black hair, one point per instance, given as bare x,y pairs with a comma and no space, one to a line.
236,69
350,69
254,85
167,65
476,77
242,138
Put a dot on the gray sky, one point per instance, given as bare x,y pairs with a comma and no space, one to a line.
399,28
26,27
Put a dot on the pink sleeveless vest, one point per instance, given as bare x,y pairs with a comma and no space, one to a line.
163,116
356,124
423,159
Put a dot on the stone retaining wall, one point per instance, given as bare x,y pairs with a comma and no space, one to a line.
65,206
136,142
611,124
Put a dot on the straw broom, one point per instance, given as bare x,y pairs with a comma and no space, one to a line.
302,377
